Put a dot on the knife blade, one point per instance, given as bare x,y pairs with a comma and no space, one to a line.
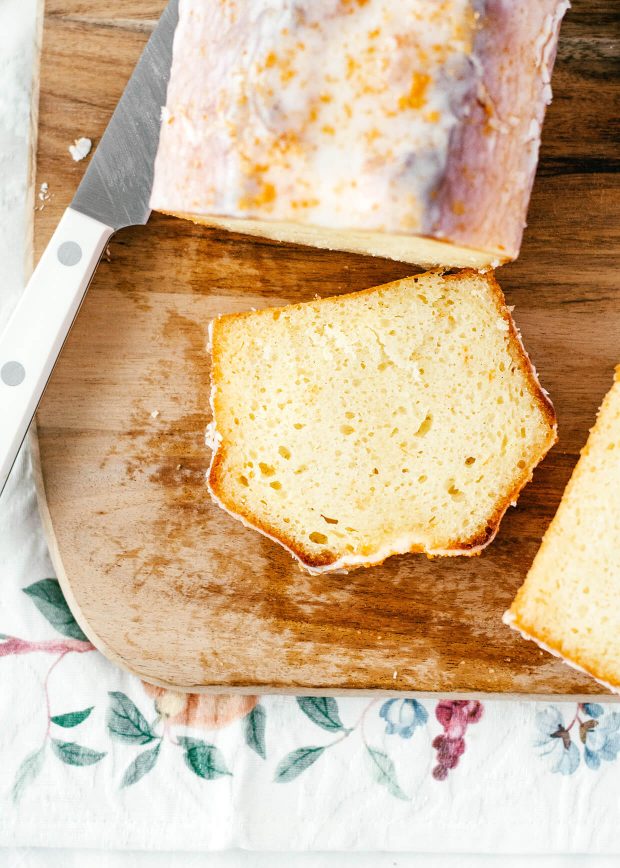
114,193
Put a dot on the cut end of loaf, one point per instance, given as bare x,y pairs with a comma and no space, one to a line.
404,418
416,249
568,602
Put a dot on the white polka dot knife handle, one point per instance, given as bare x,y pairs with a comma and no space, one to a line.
34,335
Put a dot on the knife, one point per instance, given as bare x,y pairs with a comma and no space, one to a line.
114,193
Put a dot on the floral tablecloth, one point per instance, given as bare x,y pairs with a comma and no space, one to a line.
91,757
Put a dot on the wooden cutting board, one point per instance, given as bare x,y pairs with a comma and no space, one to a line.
170,587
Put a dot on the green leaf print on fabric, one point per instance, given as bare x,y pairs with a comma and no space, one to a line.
74,754
322,710
383,771
73,718
205,760
296,762
142,764
254,730
126,722
27,772
49,600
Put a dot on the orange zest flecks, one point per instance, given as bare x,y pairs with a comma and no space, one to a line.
432,117
305,203
265,196
352,65
284,66
416,98
287,72
458,207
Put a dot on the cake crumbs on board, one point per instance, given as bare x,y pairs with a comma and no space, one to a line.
80,148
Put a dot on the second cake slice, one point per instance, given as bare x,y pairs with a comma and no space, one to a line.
402,418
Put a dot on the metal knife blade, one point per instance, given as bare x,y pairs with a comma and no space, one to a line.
116,187
114,192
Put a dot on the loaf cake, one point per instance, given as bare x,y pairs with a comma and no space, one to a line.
404,418
569,603
408,130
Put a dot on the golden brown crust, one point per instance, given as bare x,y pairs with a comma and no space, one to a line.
470,546
599,671
520,355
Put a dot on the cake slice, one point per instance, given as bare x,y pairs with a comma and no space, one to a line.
569,602
408,130
404,418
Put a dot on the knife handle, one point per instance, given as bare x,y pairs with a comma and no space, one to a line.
34,335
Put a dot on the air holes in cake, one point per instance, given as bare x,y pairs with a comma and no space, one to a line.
252,416
349,415
347,429
454,492
266,469
502,367
329,520
422,478
298,426
244,480
500,399
521,464
425,427
422,298
276,315
318,538
302,468
469,461
236,421
276,485
522,432
284,452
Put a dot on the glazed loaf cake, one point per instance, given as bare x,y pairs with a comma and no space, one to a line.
404,418
569,601
408,130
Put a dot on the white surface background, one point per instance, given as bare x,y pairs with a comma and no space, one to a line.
17,52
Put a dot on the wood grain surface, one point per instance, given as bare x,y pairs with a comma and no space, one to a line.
172,588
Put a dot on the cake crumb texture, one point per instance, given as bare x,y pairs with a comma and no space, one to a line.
402,418
569,600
